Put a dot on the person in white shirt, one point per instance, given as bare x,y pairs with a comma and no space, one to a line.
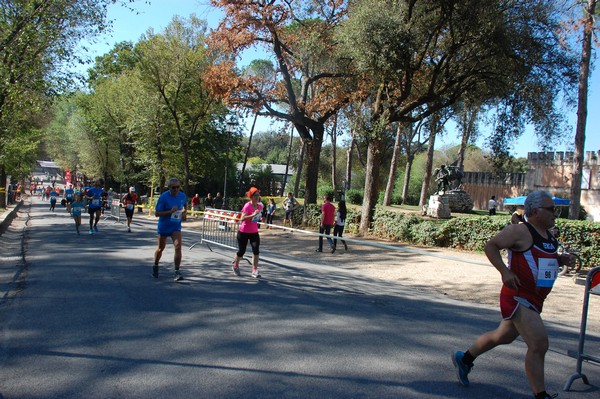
492,204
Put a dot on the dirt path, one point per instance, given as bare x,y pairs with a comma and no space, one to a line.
443,275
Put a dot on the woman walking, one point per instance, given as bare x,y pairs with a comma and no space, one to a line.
248,232
340,222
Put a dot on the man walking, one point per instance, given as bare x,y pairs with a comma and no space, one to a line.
533,264
170,209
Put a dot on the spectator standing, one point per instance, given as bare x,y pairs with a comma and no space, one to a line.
248,232
170,209
492,204
518,215
290,204
196,203
218,201
327,221
209,201
340,222
271,211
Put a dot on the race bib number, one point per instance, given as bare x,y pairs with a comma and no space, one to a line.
256,218
176,216
96,202
130,207
76,211
547,272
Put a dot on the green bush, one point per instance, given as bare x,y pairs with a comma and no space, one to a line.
354,196
473,232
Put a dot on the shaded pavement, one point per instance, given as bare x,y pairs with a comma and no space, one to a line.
82,317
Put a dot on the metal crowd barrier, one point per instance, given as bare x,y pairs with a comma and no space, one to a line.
115,211
592,287
219,227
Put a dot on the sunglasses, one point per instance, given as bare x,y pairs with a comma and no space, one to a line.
175,187
552,209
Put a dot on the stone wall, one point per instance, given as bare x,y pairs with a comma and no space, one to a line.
549,171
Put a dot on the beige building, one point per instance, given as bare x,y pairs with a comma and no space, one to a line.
549,171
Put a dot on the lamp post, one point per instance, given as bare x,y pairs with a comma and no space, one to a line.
230,129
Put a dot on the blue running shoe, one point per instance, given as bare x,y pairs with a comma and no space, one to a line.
462,370
96,229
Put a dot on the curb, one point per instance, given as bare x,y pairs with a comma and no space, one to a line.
7,216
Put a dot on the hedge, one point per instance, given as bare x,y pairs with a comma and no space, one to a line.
460,232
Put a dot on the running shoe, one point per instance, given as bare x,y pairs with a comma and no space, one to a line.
236,269
255,273
332,249
155,271
178,276
462,370
91,231
96,229
129,229
548,396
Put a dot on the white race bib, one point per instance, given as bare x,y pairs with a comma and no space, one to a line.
176,216
547,272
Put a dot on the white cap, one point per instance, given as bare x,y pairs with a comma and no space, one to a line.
132,189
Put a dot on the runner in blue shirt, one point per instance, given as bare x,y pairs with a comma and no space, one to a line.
94,197
69,192
170,209
76,208
53,197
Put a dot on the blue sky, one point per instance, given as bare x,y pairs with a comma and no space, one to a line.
130,26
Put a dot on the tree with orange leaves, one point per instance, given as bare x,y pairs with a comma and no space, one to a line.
307,84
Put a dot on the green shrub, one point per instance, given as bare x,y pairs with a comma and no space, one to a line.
354,196
425,233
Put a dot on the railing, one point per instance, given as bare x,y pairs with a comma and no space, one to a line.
219,227
592,287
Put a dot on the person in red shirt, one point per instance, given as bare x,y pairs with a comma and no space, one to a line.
196,203
129,201
533,263
327,220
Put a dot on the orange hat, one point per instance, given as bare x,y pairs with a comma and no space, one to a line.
252,191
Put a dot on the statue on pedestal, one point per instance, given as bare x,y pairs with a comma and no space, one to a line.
442,177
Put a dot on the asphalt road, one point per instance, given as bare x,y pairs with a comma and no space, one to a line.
81,317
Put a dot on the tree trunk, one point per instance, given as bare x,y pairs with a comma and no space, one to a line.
312,165
241,188
371,185
584,71
4,195
349,162
334,153
299,168
287,164
389,189
409,161
429,165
